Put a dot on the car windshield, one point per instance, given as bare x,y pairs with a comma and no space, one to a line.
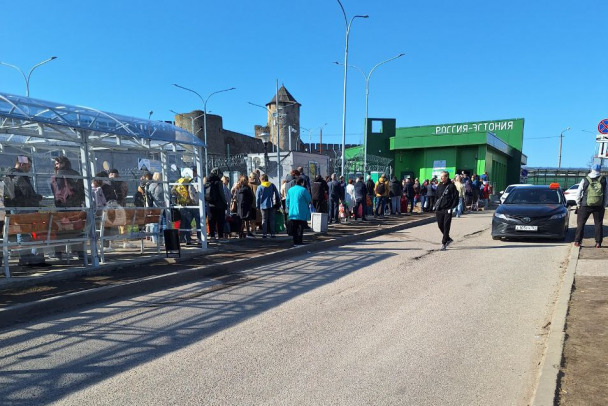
534,196
509,189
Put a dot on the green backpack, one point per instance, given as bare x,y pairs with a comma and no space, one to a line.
595,192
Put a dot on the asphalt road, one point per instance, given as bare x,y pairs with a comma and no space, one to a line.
387,321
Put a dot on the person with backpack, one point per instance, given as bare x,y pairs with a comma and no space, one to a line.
182,196
591,199
319,189
268,200
382,194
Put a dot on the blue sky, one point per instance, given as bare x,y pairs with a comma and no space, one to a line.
545,61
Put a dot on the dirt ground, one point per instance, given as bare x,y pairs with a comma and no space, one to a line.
584,372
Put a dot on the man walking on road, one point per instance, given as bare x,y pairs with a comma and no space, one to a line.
447,200
591,198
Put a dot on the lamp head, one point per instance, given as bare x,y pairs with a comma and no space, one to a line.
265,137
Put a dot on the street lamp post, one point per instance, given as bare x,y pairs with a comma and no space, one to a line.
561,137
27,78
367,77
192,120
265,138
205,118
347,24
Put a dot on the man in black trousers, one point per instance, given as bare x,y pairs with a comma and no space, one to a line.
447,200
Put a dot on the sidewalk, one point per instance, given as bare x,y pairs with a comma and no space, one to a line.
584,367
33,295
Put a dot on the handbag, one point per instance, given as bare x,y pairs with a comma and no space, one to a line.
233,206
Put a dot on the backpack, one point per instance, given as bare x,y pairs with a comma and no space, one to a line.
183,194
595,192
9,188
380,188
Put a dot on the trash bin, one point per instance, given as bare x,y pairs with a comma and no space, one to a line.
318,222
172,246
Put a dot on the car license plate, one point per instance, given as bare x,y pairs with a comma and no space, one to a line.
526,228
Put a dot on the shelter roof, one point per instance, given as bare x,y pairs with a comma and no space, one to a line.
23,119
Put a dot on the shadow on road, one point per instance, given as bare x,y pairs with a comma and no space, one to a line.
85,347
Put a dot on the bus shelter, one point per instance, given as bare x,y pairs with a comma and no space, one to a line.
36,134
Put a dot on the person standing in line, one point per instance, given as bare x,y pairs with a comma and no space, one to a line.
297,203
267,200
360,199
417,196
245,205
431,194
335,193
460,189
447,200
423,200
319,189
121,189
382,193
195,212
408,191
395,192
370,185
68,191
349,198
304,176
25,197
215,196
591,199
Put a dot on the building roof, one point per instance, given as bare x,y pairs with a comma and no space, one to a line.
284,97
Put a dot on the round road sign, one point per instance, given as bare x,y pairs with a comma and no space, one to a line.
602,127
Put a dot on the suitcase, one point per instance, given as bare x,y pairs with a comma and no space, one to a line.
235,223
403,203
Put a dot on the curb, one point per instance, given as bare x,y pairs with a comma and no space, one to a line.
545,394
28,311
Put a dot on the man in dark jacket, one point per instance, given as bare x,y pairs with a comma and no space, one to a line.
319,188
360,198
335,193
447,200
304,176
214,195
408,191
371,187
395,194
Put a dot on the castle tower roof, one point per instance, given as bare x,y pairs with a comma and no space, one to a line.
284,97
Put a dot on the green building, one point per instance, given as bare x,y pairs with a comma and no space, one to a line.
493,146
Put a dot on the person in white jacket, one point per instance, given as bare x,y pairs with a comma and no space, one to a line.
591,199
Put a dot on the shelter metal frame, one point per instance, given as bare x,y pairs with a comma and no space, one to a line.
29,126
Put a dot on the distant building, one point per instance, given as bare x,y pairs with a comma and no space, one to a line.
222,143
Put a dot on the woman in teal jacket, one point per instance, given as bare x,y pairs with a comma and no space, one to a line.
297,203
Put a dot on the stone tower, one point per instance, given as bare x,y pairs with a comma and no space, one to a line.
289,115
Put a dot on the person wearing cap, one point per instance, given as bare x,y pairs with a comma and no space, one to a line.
591,199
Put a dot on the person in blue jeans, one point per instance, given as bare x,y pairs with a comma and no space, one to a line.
335,193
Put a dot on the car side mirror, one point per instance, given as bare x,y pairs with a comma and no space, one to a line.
501,192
